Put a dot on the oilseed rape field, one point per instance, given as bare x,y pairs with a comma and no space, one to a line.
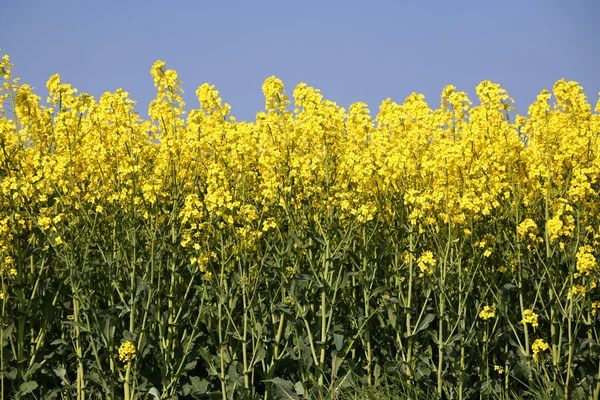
451,251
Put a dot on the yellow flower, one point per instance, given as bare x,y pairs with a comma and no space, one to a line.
554,227
595,307
45,223
527,228
502,269
1,295
499,369
577,291
586,262
59,241
127,351
426,262
269,224
537,346
529,317
488,312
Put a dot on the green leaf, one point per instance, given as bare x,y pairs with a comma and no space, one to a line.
586,342
490,387
509,286
109,331
392,317
154,392
346,382
196,386
208,358
377,290
454,338
11,373
190,365
258,328
76,324
7,331
299,388
141,285
32,370
260,355
62,374
234,373
422,371
28,387
338,340
283,389
425,323
579,394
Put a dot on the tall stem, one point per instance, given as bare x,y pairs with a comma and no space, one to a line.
244,338
324,313
570,357
127,387
78,350
411,250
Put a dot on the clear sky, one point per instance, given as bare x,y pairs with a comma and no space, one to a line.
351,50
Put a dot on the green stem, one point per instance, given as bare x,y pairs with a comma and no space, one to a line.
126,386
78,350
244,338
411,250
324,314
570,356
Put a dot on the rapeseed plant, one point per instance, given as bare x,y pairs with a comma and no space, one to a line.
306,251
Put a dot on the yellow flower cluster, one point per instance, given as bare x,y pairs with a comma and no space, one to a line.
127,351
595,307
586,262
537,346
426,263
529,317
527,229
563,222
456,163
577,291
488,312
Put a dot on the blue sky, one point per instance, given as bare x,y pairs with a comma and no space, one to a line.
351,50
